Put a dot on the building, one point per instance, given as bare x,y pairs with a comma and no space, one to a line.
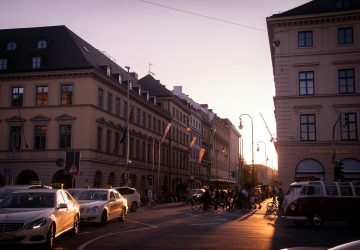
70,114
64,110
315,51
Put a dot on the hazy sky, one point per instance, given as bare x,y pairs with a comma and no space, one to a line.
218,50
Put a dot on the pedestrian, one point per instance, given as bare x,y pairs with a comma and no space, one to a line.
150,197
206,199
281,196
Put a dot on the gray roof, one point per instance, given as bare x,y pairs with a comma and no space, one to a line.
65,51
321,6
157,89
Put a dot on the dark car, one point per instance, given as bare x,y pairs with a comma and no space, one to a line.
6,190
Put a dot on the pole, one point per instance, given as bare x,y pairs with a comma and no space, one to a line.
258,149
252,145
128,127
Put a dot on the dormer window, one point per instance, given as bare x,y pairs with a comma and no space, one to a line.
36,62
120,78
41,44
10,46
3,64
108,70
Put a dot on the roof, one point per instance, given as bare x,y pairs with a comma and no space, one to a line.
65,50
157,89
321,6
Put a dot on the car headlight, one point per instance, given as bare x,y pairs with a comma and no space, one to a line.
94,210
36,224
292,206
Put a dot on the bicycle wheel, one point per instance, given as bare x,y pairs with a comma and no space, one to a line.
195,206
271,207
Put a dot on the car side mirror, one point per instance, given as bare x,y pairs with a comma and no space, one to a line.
63,205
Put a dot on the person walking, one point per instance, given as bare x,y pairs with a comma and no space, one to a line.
150,197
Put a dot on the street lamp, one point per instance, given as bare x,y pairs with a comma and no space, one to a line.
128,127
252,144
266,158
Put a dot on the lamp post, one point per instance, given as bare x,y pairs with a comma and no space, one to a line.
266,158
252,144
128,127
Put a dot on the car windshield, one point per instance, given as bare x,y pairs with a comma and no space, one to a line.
5,191
29,200
97,195
74,192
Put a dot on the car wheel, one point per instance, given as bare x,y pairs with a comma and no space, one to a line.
133,207
299,223
50,237
122,215
316,220
103,220
75,229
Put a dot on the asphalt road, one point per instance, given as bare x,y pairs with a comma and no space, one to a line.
178,227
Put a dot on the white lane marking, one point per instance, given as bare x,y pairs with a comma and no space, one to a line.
119,232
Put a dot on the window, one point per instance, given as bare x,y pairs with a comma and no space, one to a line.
3,64
110,102
307,127
15,138
137,149
117,106
305,39
306,83
99,139
144,119
17,96
125,110
345,35
149,122
41,44
117,142
10,46
349,127
66,94
138,116
36,62
331,190
42,95
108,140
65,136
346,81
40,137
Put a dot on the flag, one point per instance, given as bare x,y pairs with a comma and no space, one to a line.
193,140
201,154
166,131
123,136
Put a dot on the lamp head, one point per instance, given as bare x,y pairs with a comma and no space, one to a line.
257,147
241,125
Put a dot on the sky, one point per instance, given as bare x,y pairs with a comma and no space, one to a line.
217,50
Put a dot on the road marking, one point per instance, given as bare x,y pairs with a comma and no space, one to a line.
119,232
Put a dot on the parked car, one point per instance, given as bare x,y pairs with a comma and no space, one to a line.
38,216
74,191
131,195
316,201
197,193
8,189
100,205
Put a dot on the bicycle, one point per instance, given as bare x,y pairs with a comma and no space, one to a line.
273,207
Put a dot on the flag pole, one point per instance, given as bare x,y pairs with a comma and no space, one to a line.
127,130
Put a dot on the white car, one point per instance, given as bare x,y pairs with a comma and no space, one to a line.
131,195
8,189
100,205
37,216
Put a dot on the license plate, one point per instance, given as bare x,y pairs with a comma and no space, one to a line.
6,236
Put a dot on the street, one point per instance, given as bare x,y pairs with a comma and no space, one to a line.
178,227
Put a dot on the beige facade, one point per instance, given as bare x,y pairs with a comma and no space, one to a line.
316,70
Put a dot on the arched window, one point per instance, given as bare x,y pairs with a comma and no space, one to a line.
10,46
61,177
26,177
41,44
309,169
351,169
